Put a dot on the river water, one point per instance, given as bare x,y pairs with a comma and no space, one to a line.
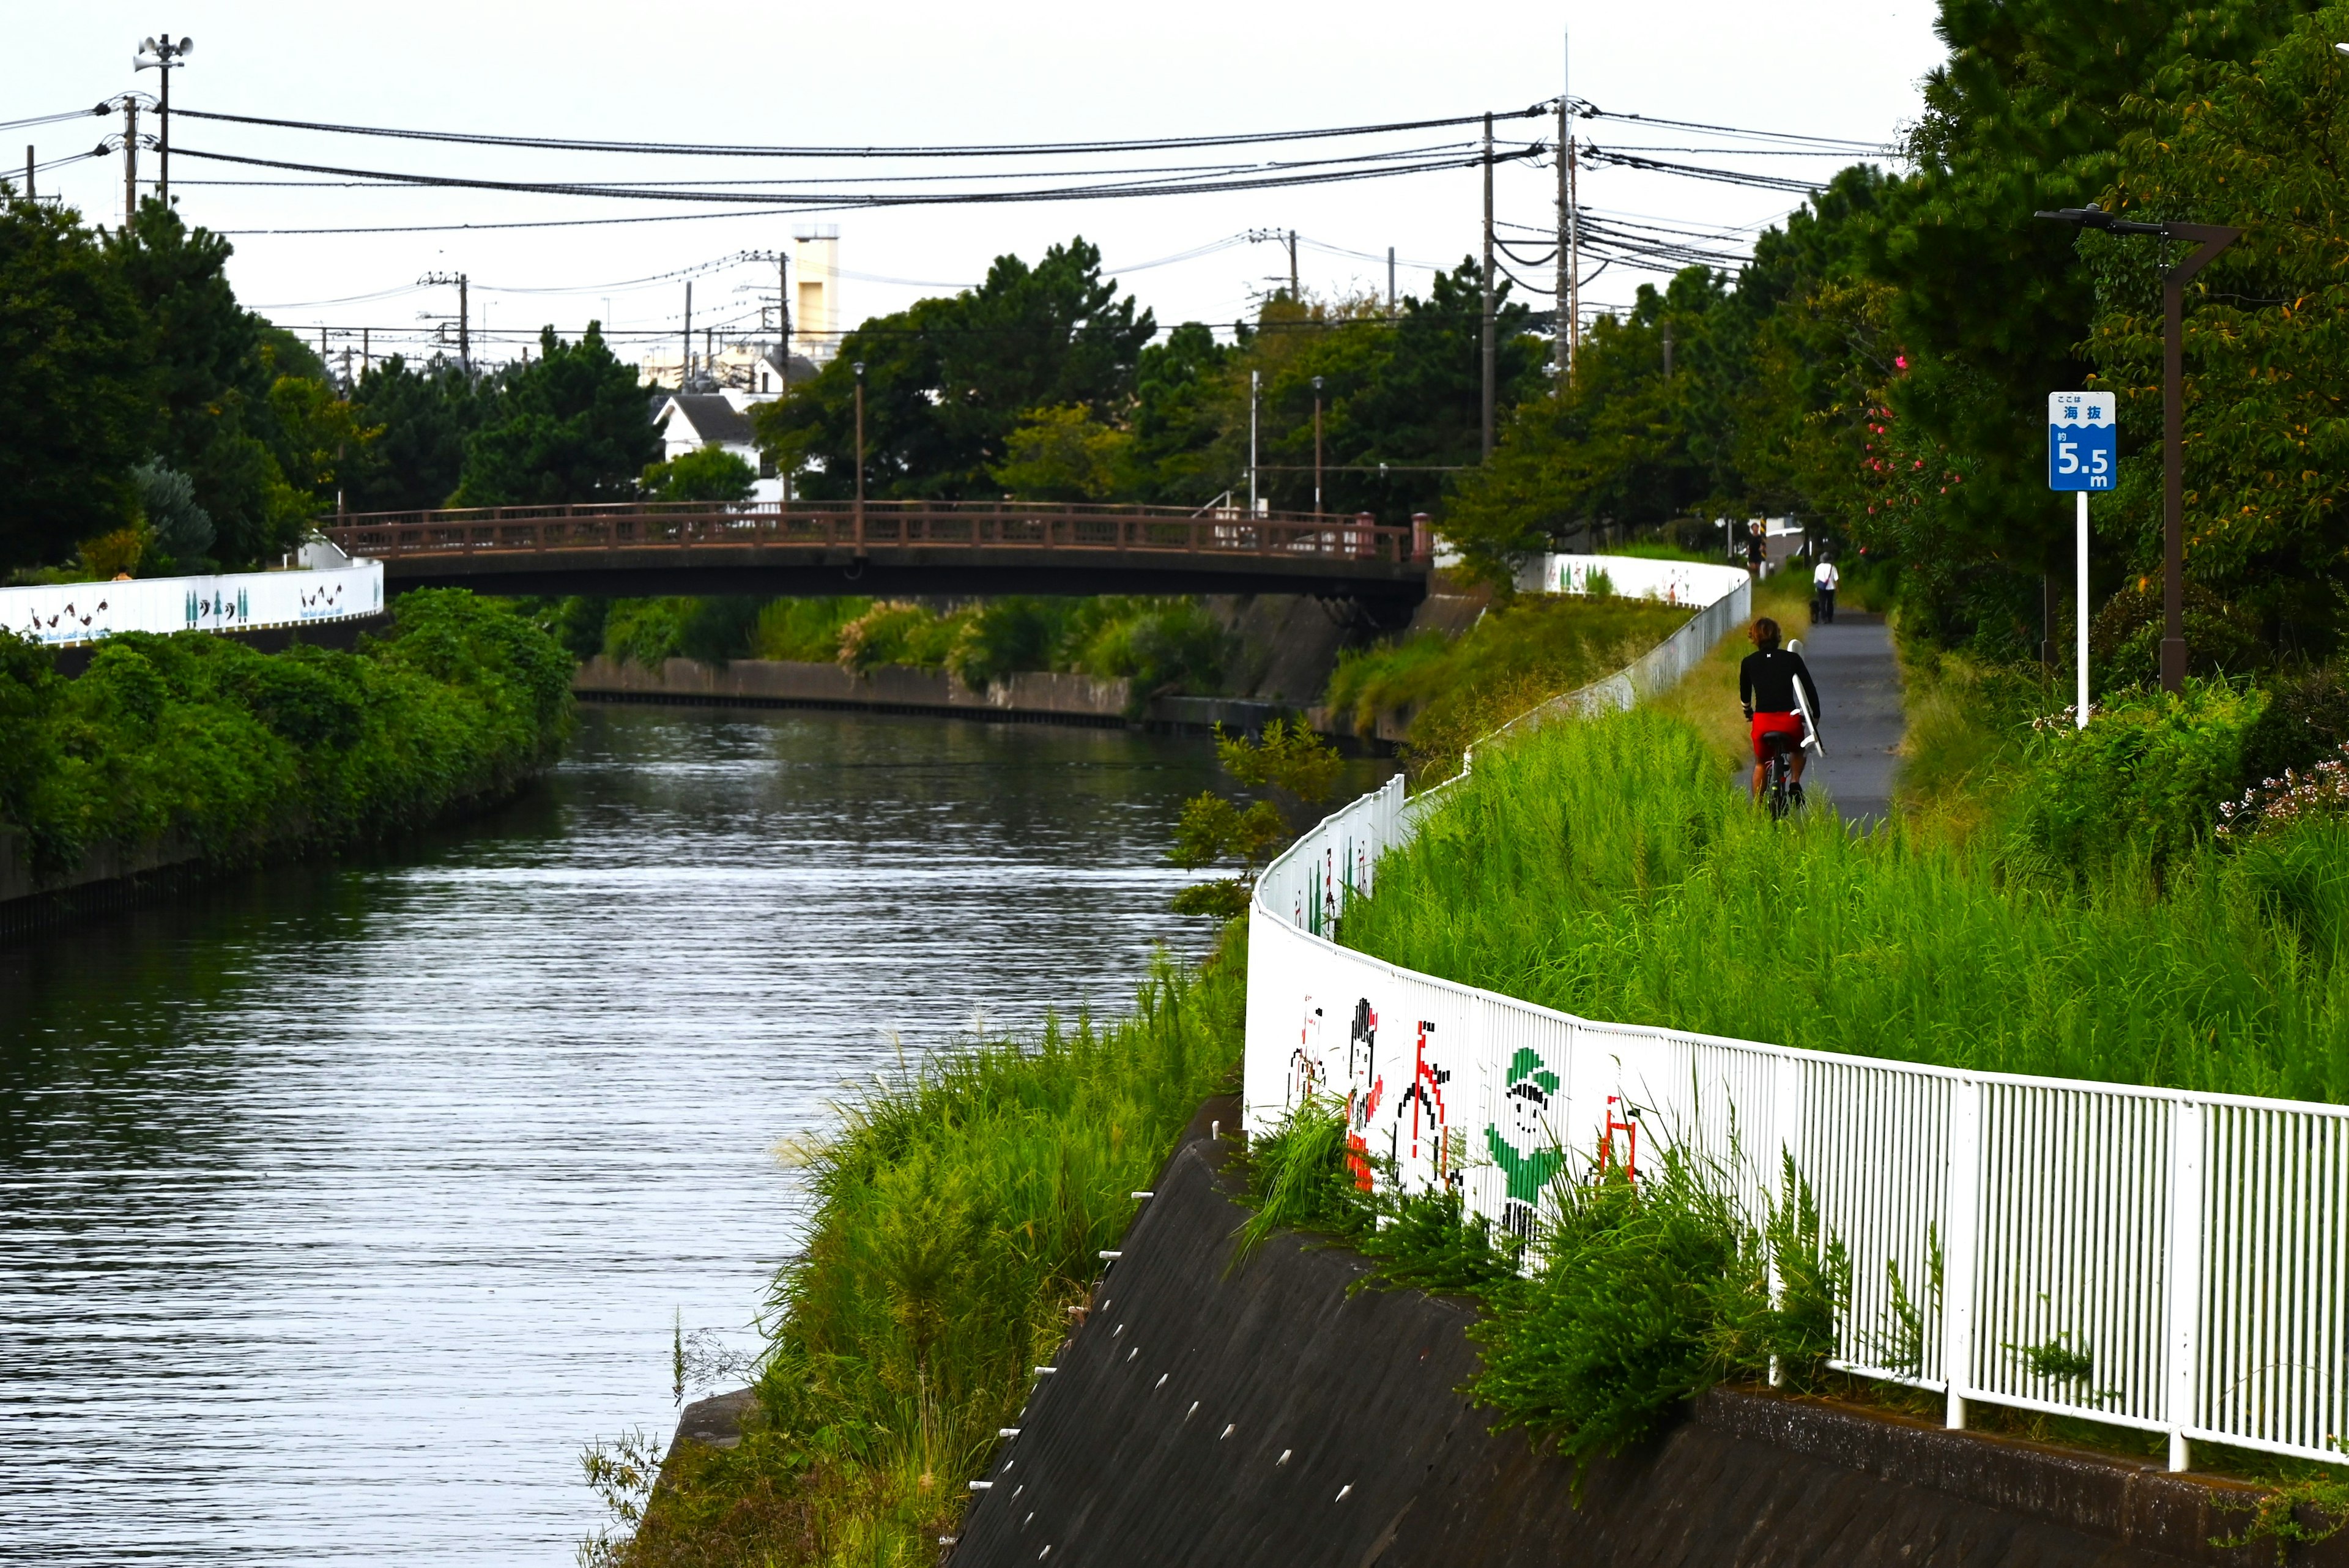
344,1205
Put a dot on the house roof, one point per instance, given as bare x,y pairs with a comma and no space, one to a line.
712,419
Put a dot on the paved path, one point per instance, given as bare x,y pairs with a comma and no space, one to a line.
1861,720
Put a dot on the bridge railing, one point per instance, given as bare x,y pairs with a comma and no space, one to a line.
2176,1262
981,525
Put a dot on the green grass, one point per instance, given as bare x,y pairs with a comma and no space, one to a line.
959,1213
1520,654
1607,868
198,739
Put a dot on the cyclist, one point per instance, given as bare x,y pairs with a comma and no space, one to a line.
1765,685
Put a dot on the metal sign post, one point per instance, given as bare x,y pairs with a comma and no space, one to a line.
2083,454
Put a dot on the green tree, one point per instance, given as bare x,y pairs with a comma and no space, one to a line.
1291,768
425,412
570,426
211,378
1994,307
1182,406
2255,145
67,322
705,473
948,381
1064,454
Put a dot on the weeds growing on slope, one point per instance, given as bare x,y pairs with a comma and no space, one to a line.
1638,1297
959,1213
1604,868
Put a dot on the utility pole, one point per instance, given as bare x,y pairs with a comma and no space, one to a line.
160,54
30,195
685,350
709,352
366,352
464,315
1391,281
784,333
1317,446
1293,294
129,161
1565,346
1487,428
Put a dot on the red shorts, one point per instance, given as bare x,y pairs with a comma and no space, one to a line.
1775,725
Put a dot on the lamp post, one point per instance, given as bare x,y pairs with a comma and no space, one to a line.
161,53
1317,446
859,368
2208,240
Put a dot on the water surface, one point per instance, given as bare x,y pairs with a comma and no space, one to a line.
340,1206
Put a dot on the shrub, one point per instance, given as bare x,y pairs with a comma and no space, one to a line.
806,630
2146,775
200,738
2304,722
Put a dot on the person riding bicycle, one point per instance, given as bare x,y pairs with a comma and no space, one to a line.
1765,685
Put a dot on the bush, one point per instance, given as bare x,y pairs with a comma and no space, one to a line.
2146,775
200,739
805,630
2305,721
652,631
2124,638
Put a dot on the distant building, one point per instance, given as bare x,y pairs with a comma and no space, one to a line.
816,315
720,418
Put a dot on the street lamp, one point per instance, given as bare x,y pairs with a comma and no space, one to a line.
1317,446
859,368
160,54
2208,240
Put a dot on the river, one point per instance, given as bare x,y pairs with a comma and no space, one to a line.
343,1205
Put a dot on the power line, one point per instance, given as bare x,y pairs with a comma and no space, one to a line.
1340,169
720,149
1690,171
1592,111
103,108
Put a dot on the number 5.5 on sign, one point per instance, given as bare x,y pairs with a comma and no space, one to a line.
2082,440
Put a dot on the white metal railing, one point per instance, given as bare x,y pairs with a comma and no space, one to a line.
2191,1250
90,612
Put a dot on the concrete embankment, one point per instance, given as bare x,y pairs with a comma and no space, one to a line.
1270,1414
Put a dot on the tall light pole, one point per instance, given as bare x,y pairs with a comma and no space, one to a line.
2208,240
1255,381
160,54
1317,446
859,369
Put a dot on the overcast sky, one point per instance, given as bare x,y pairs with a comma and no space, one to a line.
924,73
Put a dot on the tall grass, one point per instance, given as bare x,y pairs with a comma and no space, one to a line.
1517,655
958,1214
1604,868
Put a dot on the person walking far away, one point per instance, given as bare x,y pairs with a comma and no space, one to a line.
1765,685
1824,581
1757,547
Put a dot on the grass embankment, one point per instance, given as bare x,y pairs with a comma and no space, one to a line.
199,740
2089,931
959,1213
1520,654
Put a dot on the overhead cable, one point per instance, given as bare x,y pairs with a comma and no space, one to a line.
1690,171
720,149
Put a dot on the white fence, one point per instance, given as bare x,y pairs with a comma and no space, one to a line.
2191,1251
88,612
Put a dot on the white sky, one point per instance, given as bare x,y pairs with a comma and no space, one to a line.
724,71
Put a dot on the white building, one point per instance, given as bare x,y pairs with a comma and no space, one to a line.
720,418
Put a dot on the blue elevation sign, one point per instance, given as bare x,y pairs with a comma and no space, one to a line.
2082,440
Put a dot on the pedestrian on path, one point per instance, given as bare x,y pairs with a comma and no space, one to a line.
1757,548
1824,580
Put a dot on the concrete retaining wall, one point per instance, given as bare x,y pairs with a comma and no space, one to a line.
1267,1415
781,683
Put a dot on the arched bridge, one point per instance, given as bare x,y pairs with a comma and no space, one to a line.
880,547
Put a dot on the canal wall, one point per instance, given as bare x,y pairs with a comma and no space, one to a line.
1276,1412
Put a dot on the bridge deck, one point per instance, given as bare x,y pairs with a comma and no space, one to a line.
821,547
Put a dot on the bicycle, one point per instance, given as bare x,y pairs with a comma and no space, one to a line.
1779,791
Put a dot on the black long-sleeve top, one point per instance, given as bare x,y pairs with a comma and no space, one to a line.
1765,683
